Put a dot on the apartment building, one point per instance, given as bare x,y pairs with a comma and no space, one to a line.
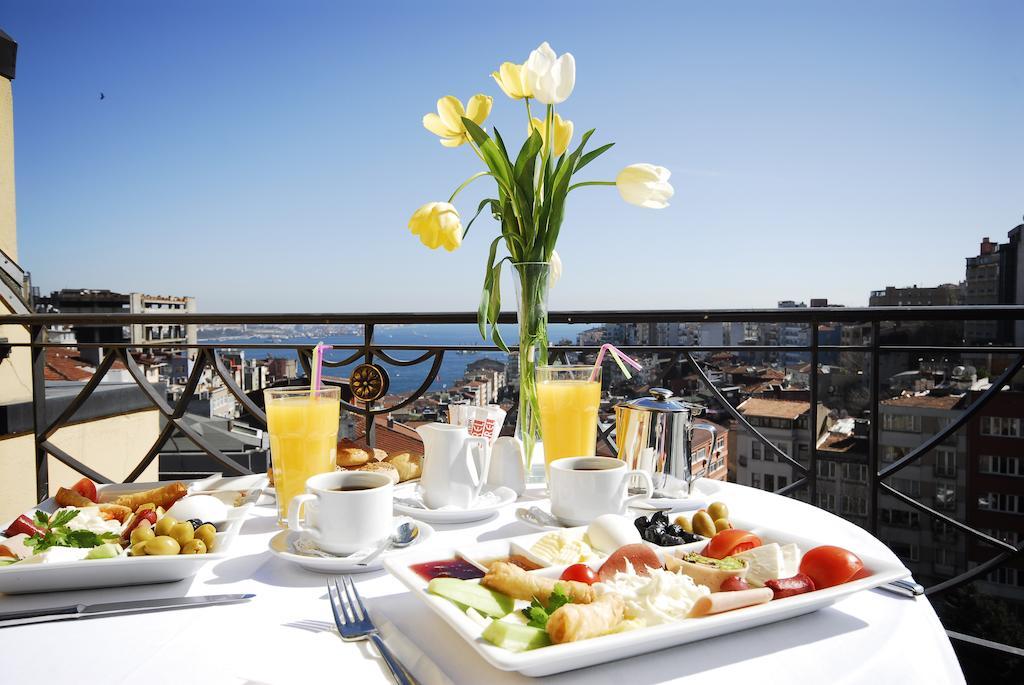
995,487
945,295
787,425
938,480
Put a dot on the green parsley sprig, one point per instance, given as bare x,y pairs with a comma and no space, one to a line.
537,614
57,534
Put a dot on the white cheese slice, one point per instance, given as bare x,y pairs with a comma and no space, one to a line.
765,563
790,560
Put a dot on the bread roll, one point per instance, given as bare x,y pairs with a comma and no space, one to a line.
352,456
409,465
382,467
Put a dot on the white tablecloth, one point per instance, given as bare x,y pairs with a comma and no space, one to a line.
286,635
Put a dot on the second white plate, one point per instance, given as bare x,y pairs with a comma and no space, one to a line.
505,497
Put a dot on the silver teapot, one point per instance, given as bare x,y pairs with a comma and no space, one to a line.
655,434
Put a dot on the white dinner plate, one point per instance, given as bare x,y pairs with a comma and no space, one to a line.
124,570
281,547
505,496
598,650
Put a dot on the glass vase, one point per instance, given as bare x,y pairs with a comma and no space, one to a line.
532,307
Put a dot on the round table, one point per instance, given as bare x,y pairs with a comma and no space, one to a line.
286,634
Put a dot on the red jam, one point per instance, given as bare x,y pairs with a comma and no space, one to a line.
447,568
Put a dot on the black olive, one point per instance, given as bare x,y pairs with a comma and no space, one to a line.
651,535
690,537
666,540
195,523
660,517
675,529
641,524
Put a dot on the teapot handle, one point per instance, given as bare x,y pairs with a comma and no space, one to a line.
482,459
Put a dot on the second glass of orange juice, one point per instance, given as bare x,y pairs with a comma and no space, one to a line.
569,397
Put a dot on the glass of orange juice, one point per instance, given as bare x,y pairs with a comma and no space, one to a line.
303,426
568,398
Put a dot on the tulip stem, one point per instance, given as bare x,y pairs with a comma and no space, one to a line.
590,183
467,182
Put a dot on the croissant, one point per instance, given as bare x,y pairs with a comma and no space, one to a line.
513,581
163,496
572,622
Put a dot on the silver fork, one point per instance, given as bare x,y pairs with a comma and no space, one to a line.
354,624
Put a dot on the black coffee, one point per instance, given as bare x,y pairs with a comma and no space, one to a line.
352,488
589,468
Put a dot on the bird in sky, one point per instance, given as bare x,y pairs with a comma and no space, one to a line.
102,96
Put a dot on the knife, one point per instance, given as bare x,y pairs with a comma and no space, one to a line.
19,618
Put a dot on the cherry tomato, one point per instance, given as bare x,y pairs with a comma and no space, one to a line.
734,584
87,489
581,573
22,524
828,565
731,541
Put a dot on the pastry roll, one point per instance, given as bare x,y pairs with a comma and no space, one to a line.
513,581
161,497
572,622
70,498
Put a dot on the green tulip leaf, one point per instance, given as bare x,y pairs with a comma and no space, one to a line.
592,155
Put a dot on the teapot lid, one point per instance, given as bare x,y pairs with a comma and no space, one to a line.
659,401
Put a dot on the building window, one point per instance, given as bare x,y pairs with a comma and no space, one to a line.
1002,502
858,506
1009,536
1001,426
907,486
906,551
900,518
827,502
769,482
802,451
1000,465
783,482
902,423
891,453
856,473
1006,576
945,496
945,462
944,556
755,480
826,469
755,450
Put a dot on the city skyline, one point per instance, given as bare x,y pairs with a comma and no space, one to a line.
286,146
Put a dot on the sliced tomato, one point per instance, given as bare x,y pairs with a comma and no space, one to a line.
829,565
734,584
731,541
87,489
581,573
144,515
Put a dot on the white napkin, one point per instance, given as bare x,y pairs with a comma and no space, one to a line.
487,498
412,657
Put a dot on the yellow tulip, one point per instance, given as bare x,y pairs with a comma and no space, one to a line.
447,122
510,79
438,225
562,129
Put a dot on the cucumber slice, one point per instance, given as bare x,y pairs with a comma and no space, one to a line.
515,637
107,550
468,594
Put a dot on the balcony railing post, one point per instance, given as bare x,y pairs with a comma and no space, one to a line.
876,421
368,417
812,384
38,335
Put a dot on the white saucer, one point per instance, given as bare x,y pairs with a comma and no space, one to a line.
692,503
476,513
281,547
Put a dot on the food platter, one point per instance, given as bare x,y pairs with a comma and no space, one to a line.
556,658
21,577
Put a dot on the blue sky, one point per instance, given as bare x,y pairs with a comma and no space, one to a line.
266,156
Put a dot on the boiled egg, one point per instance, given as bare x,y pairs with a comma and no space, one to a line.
206,508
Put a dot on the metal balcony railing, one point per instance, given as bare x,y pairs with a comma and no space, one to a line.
806,473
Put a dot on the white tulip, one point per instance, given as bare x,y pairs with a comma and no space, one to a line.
550,78
554,269
645,185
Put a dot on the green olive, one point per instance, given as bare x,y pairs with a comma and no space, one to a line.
162,545
139,549
684,523
194,547
718,510
722,524
182,532
208,534
142,532
164,525
703,524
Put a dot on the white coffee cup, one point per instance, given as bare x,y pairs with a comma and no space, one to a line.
583,488
345,511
